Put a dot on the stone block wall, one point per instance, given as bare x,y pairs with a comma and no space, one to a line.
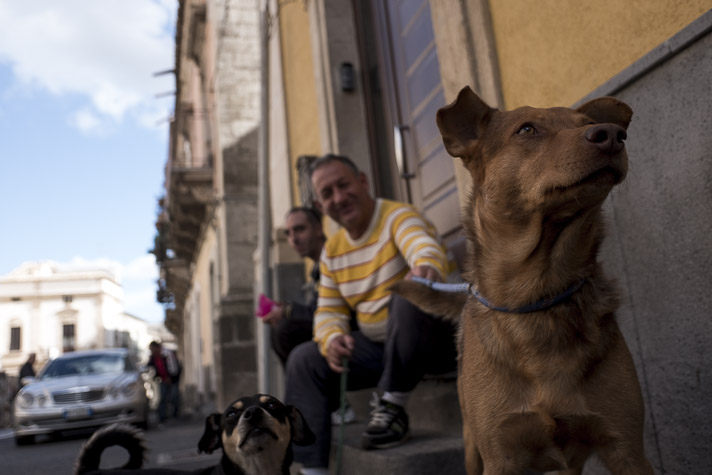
237,106
659,246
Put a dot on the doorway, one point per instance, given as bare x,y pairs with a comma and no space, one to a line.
403,92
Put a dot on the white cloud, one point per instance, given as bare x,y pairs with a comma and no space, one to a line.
80,263
106,51
143,267
86,121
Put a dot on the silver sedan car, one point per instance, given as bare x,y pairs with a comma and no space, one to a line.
81,389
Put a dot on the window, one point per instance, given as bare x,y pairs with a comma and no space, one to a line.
67,298
15,339
68,339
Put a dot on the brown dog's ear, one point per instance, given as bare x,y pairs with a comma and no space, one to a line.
608,110
211,440
462,122
301,433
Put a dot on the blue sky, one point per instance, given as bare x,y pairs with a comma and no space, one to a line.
82,151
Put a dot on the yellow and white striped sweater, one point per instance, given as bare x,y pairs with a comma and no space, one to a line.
356,274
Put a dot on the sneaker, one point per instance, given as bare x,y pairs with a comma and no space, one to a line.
349,415
387,427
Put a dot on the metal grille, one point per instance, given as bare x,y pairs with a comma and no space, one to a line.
85,396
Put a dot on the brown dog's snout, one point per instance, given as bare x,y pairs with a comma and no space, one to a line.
607,137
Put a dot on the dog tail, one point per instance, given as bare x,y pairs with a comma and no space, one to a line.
447,305
123,435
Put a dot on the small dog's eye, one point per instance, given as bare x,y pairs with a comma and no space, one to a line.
526,129
232,416
271,405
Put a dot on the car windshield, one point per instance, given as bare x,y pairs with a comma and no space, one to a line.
87,364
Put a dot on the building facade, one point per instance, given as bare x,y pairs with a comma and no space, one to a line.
48,311
207,228
364,78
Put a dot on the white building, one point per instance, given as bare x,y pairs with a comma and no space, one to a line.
48,311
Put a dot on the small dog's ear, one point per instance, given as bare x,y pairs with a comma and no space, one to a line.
211,440
462,122
608,110
301,433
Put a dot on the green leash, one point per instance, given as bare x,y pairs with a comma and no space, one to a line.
342,411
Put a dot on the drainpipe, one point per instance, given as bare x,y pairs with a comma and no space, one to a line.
264,219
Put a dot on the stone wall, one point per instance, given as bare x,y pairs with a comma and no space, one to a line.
659,246
237,98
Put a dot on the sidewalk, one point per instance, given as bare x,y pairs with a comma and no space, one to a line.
6,434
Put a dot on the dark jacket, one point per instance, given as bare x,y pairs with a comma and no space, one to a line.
305,312
27,370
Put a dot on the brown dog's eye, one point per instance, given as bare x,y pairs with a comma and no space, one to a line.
526,129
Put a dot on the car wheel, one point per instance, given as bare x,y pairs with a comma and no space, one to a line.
24,439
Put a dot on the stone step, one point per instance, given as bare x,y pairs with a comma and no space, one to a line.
432,407
434,444
423,453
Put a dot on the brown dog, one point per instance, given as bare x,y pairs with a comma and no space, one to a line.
545,377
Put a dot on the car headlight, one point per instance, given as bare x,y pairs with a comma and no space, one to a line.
129,389
25,399
113,391
41,400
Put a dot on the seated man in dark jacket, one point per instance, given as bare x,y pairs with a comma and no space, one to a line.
292,323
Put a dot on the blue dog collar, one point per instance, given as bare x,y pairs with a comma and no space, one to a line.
534,307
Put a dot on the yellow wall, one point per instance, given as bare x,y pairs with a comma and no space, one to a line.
554,52
300,92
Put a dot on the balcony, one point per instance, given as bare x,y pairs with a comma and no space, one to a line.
186,212
175,274
190,203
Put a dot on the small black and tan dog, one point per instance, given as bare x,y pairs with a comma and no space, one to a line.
256,434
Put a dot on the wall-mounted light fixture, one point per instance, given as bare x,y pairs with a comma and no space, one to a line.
347,77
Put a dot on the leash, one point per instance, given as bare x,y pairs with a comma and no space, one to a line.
342,411
442,287
469,288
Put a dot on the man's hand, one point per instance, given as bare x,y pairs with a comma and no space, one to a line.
426,272
274,316
340,347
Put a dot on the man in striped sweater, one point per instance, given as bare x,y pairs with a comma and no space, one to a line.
379,242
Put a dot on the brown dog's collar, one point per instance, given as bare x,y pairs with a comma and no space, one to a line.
533,307
469,288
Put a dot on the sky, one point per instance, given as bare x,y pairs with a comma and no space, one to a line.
83,137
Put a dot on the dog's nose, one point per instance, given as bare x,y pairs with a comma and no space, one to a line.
252,414
607,137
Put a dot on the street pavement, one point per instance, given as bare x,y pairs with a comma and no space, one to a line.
5,434
172,446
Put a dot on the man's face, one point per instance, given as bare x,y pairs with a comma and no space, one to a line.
343,195
305,237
